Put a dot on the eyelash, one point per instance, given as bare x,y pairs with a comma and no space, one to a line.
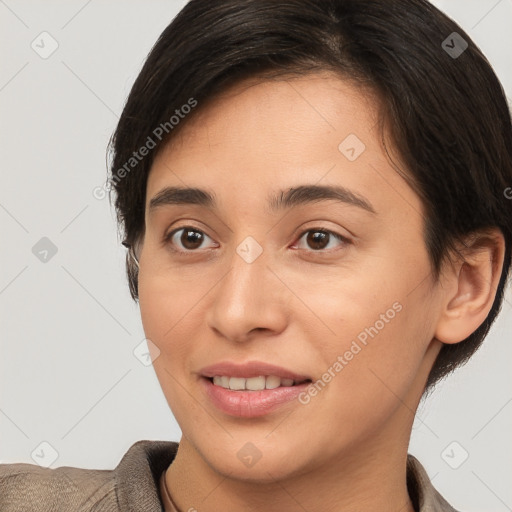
168,239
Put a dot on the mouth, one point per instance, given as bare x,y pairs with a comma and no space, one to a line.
251,389
252,403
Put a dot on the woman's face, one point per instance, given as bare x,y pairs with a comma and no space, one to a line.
334,288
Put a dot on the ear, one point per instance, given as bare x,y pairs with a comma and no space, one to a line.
469,285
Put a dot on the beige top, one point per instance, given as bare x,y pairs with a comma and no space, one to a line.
136,484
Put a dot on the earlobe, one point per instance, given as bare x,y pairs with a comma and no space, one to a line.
475,281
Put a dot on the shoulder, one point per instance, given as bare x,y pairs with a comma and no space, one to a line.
31,487
422,492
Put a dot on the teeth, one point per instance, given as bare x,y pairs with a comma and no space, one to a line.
236,383
251,384
272,382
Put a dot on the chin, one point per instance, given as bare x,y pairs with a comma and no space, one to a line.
259,462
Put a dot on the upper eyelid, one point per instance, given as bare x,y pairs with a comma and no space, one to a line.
179,228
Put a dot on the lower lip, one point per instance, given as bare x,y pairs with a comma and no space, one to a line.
250,404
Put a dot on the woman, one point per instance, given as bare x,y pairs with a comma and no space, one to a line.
314,199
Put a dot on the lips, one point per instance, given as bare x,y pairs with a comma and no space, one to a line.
251,403
251,369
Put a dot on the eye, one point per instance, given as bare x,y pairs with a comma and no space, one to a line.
319,238
190,238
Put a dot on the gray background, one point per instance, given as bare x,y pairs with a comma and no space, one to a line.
68,373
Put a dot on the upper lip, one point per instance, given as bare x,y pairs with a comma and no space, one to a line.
250,369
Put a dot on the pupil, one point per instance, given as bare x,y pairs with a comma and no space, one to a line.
318,242
191,237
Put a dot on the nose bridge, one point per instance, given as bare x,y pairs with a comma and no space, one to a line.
246,297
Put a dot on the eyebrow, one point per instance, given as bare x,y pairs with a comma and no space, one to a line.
284,199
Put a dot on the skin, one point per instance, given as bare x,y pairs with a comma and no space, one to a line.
295,306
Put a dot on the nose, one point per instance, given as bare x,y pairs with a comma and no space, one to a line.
249,301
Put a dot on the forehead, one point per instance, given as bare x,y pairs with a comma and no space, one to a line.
275,111
259,136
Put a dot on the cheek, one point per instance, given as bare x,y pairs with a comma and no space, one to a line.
153,308
167,324
368,383
380,326
173,312
164,316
